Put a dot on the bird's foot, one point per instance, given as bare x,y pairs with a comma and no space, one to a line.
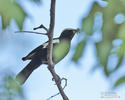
58,79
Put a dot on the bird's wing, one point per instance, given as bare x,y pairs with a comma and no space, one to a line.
39,48
31,54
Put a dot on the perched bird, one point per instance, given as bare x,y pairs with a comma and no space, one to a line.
38,56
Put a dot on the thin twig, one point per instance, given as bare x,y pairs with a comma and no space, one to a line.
50,47
41,26
31,32
58,92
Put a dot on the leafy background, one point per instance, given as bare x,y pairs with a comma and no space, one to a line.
109,22
104,26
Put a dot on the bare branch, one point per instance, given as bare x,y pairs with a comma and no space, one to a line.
31,32
59,92
50,32
41,26
50,47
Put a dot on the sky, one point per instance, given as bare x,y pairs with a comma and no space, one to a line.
82,83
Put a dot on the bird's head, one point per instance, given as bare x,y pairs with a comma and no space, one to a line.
68,33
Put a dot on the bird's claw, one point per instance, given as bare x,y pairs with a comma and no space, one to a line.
58,79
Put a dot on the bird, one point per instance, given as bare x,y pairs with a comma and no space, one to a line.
38,56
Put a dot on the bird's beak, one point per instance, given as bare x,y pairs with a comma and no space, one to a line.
76,30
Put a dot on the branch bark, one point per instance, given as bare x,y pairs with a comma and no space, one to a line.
50,48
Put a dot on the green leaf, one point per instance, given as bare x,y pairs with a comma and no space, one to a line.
12,84
118,64
88,21
10,9
79,50
103,52
119,82
87,25
121,32
121,35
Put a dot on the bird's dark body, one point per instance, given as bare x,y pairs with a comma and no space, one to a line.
39,55
41,52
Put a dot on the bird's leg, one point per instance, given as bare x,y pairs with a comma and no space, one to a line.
57,76
41,26
59,79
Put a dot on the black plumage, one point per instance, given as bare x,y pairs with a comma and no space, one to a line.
38,56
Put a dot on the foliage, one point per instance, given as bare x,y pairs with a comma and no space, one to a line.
120,81
109,22
79,49
10,9
10,90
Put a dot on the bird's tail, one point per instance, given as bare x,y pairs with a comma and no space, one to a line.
23,75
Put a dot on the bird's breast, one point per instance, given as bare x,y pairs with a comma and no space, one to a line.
60,51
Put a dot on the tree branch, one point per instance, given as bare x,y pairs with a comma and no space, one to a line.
59,92
31,32
41,26
50,47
